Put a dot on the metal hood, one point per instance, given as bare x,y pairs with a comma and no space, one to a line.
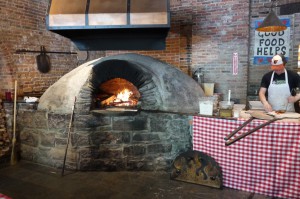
111,25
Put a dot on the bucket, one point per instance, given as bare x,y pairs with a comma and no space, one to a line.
226,108
209,89
226,104
206,107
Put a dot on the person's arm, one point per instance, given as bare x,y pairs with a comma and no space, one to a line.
296,78
263,99
293,99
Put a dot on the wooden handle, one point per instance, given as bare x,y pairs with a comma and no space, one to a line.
239,128
15,110
249,132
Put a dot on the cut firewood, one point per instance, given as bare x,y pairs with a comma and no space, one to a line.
108,100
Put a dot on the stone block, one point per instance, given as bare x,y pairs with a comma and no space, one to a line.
98,138
47,139
80,139
159,125
136,165
159,148
60,142
83,107
59,154
40,119
26,119
130,123
179,128
28,152
88,153
90,121
27,106
145,137
34,119
58,121
125,137
29,137
162,163
111,152
135,150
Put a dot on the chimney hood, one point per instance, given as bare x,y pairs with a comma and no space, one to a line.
111,24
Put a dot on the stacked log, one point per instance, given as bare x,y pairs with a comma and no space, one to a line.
4,136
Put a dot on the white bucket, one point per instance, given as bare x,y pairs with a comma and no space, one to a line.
206,107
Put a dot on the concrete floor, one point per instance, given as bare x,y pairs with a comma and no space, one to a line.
26,180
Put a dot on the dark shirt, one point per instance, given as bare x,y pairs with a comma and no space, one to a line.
294,82
294,79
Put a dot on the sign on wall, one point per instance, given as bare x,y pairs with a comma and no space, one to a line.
268,44
235,63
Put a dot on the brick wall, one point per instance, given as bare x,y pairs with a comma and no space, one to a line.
23,26
178,43
203,34
220,30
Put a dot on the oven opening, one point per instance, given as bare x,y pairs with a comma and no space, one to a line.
117,92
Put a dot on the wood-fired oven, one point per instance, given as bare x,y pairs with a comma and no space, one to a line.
148,138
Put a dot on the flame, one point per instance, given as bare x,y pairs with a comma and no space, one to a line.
123,96
117,92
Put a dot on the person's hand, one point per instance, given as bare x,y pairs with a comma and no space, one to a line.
292,99
267,107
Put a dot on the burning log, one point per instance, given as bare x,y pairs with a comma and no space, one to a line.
123,98
107,101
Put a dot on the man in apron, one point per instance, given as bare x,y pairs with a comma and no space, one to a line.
277,86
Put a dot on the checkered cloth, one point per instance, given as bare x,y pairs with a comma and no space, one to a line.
265,162
2,196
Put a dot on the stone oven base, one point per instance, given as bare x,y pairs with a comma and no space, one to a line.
142,141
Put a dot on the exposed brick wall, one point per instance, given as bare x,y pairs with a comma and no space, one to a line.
177,52
23,26
203,34
221,29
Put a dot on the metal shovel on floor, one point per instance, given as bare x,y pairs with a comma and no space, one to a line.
255,115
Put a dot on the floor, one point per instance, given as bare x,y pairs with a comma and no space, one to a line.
30,181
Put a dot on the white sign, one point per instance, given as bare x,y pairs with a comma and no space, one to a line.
268,44
235,63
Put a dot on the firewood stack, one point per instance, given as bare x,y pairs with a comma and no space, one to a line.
4,136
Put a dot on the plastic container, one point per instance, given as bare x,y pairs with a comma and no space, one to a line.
209,89
237,108
226,104
206,107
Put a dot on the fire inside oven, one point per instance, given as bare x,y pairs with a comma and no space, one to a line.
117,92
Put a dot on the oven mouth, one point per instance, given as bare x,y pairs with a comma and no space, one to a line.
118,85
117,93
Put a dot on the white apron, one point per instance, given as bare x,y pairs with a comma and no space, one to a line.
278,94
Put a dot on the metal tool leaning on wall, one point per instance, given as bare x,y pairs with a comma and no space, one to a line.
271,117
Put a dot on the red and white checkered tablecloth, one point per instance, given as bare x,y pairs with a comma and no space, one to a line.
265,162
